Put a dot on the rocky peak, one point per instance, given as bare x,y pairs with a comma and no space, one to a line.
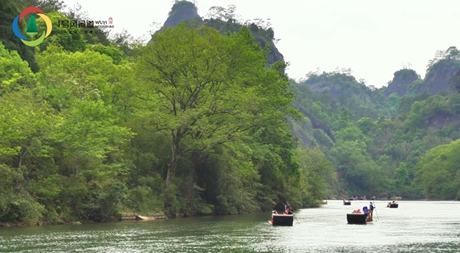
180,12
438,79
401,81
441,70
185,11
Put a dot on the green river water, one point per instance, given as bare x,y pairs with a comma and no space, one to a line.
416,226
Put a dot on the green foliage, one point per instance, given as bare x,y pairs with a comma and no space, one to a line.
456,81
316,172
83,75
414,87
438,172
402,176
404,73
454,104
15,73
366,125
70,38
112,50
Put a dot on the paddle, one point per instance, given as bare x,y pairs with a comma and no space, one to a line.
375,209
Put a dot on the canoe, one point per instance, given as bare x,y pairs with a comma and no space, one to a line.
358,218
282,220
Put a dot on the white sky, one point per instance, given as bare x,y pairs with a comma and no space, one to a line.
373,38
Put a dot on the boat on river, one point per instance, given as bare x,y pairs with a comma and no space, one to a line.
282,220
392,205
358,218
347,203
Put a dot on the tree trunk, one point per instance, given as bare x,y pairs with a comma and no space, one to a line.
175,153
191,176
21,156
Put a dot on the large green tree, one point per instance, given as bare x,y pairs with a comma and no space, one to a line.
208,87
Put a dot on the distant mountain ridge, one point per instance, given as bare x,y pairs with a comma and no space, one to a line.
438,79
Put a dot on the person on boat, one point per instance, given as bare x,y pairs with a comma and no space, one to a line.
357,211
287,207
365,210
371,209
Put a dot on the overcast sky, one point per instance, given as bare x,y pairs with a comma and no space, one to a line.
373,38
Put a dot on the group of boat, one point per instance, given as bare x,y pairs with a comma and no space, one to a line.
356,217
390,204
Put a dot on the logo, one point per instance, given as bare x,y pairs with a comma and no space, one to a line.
32,29
87,26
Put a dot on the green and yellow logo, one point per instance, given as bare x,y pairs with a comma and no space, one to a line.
32,29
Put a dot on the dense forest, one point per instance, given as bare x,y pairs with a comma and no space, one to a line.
203,120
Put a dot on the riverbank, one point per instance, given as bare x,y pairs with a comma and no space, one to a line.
122,217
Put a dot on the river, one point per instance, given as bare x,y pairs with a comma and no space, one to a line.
416,226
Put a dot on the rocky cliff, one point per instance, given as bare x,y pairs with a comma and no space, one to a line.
438,77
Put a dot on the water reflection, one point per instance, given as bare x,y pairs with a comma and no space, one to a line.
416,226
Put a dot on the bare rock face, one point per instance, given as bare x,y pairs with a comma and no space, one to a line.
438,79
